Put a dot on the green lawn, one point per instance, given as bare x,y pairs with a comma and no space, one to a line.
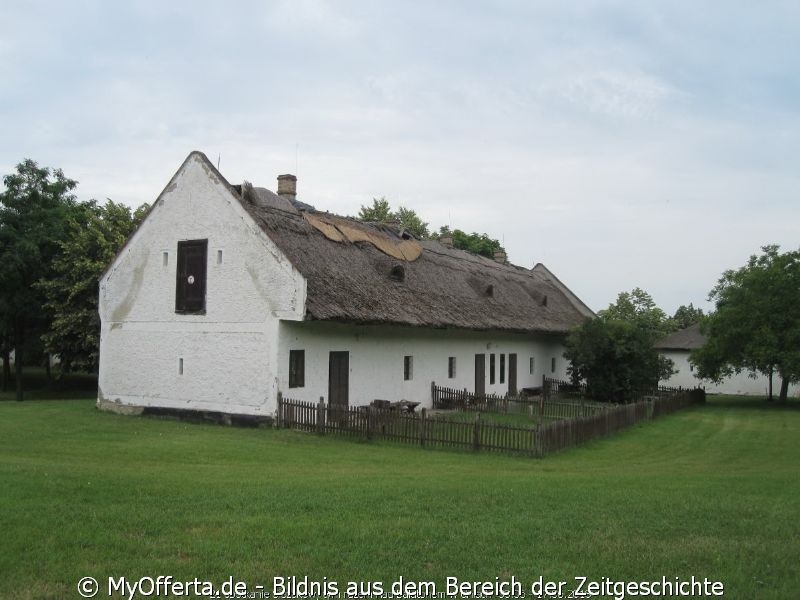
712,492
511,419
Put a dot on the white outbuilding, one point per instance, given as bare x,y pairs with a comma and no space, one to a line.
228,294
679,345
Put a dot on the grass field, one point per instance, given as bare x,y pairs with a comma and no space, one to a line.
711,492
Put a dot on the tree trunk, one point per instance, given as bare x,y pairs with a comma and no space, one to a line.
771,371
6,369
18,371
19,355
47,366
784,389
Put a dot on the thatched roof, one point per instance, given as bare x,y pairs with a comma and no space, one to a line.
357,282
685,339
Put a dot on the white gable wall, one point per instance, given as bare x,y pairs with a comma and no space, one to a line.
230,353
737,384
376,360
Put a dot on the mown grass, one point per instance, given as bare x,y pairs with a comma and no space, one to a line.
711,492
511,419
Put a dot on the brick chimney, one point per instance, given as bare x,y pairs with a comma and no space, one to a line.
500,256
287,186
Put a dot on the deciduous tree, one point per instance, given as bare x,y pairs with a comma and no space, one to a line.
686,316
477,243
95,234
381,212
755,326
614,353
615,358
639,308
34,209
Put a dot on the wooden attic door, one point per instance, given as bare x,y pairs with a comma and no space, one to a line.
339,379
190,285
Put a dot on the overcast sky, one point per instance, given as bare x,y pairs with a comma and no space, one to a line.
622,144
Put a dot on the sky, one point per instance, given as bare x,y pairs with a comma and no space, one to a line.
621,143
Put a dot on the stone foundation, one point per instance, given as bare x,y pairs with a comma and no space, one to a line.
191,416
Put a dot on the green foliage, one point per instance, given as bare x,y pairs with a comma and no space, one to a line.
34,210
96,234
638,307
614,353
477,243
615,358
381,212
756,324
686,316
412,222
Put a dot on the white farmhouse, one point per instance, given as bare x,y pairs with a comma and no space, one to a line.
678,345
227,295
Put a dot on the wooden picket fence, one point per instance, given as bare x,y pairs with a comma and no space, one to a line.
566,390
541,406
425,430
439,431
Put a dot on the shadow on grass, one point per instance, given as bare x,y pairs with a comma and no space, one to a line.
37,386
755,403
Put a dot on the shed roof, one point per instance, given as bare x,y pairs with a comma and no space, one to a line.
684,339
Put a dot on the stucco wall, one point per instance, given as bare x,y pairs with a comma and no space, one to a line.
229,354
737,384
376,359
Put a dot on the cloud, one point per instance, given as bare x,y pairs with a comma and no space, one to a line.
618,94
621,143
303,18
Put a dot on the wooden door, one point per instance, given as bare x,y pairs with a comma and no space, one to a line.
480,374
190,285
339,379
512,374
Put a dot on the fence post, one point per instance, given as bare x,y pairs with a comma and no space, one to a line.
321,416
476,433
433,394
422,416
543,396
280,411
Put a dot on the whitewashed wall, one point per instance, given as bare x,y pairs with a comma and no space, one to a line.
376,359
229,354
737,384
